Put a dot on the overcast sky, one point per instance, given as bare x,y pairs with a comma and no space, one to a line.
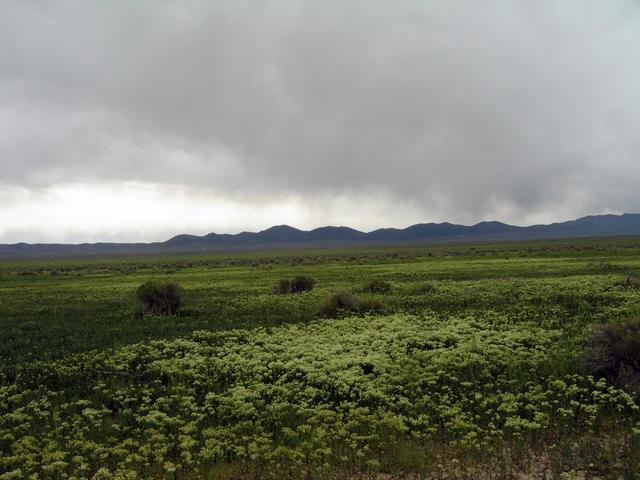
137,120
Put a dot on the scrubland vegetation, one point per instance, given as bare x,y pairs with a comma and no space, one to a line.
487,361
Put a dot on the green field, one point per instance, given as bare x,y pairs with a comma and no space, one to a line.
470,367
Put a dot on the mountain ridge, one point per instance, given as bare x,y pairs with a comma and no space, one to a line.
285,236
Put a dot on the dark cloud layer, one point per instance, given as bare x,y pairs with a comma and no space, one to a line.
462,110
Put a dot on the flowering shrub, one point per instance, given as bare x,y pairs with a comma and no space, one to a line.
305,400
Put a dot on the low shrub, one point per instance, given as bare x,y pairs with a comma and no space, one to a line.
613,353
301,283
345,302
339,302
369,304
377,286
160,298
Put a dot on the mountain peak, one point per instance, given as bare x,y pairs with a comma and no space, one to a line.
281,229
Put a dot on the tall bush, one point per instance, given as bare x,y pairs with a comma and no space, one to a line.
160,298
613,353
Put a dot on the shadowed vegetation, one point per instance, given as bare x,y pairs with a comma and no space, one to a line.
613,353
160,298
298,284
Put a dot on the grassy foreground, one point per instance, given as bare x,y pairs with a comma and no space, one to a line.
470,370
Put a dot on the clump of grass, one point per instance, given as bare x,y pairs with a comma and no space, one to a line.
283,286
369,304
345,302
160,298
630,281
377,286
298,284
424,288
613,353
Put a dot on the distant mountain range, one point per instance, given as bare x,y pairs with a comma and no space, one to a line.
284,236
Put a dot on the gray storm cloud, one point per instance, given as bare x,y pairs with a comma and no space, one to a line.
461,110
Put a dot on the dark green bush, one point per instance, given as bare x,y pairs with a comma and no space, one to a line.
160,298
613,353
378,286
301,283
